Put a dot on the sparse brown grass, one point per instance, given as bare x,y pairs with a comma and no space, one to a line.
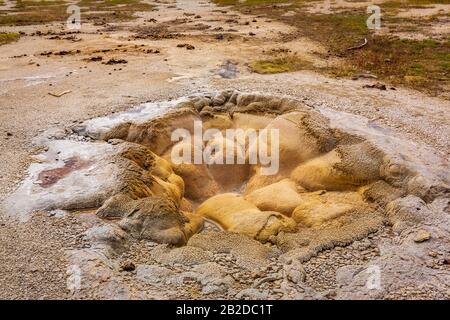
426,2
29,12
114,5
249,2
393,7
112,10
423,65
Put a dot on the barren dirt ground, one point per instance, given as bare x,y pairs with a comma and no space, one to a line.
49,59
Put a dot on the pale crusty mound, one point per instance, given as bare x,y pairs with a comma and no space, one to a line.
235,214
331,186
283,196
149,198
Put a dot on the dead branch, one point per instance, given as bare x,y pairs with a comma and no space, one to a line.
360,46
59,94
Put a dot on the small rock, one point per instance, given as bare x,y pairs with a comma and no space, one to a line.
379,86
252,294
186,45
421,236
115,61
295,275
330,294
128,266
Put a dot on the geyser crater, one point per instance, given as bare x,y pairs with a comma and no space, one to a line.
337,181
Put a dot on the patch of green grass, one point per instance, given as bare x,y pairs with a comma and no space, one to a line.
391,4
113,10
287,63
112,4
336,31
8,37
394,5
406,3
27,4
261,3
423,65
427,2
269,66
249,2
29,12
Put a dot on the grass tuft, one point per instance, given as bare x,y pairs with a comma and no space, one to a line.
288,63
8,37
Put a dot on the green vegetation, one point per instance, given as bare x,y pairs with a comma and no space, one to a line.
8,37
287,63
249,2
112,10
113,4
37,3
28,12
427,2
392,59
394,5
421,64
35,12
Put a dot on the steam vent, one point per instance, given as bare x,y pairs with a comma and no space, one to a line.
339,182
